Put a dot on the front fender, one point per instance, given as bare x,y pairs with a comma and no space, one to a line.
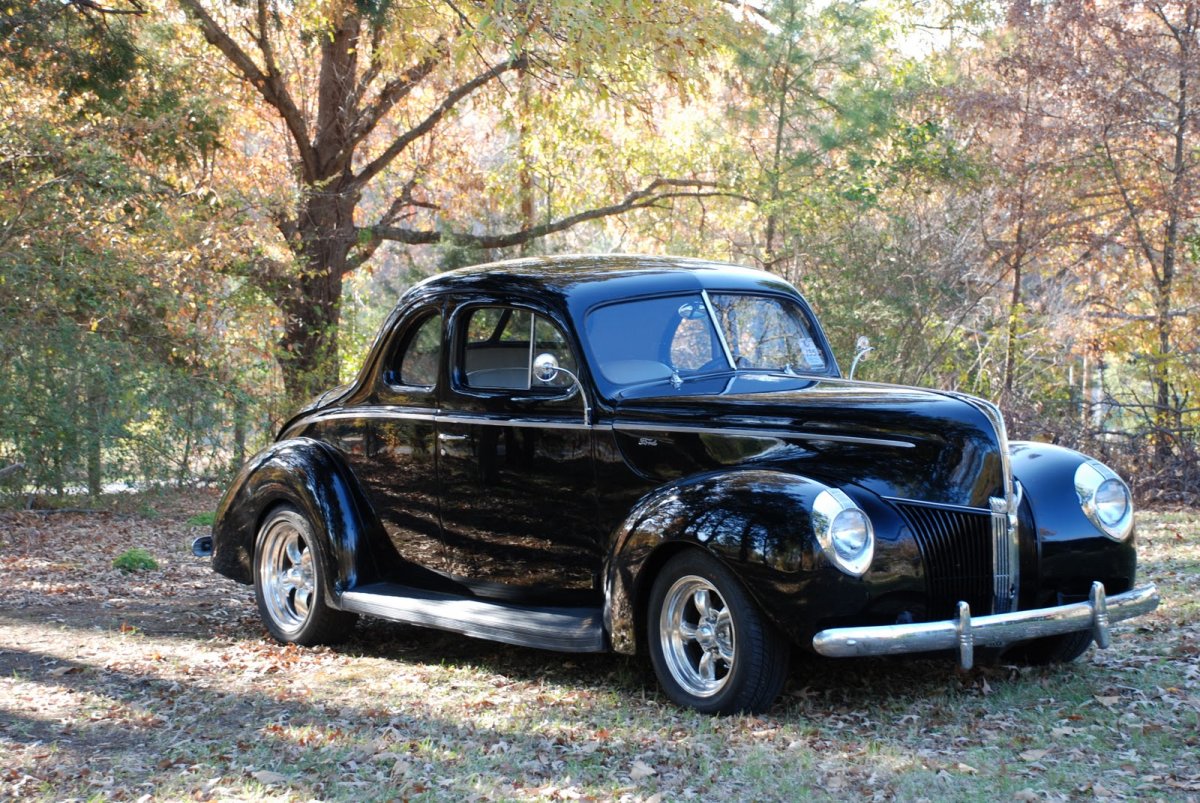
311,477
755,521
1068,552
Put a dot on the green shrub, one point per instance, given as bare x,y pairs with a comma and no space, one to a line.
135,560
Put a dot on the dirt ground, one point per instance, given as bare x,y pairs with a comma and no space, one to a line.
161,684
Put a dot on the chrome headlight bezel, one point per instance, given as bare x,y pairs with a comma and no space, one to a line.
844,532
1093,482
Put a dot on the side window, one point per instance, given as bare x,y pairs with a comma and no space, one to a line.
500,345
419,362
692,345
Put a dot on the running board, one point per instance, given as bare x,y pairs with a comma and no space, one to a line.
561,629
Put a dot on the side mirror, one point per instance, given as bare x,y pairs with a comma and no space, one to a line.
862,347
546,367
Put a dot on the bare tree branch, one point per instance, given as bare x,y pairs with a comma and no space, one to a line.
270,85
657,191
1115,314
90,6
374,65
425,126
1135,217
367,248
392,93
263,40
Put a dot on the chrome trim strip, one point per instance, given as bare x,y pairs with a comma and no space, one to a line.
627,426
712,318
480,421
964,633
398,413
899,500
376,411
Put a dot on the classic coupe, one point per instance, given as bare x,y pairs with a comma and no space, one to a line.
661,456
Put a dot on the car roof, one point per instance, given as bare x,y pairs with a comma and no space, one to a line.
583,281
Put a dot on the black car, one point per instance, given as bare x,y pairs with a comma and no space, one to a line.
661,455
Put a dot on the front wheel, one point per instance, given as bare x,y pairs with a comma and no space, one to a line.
289,583
710,646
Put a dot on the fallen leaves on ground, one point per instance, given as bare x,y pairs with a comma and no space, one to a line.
163,684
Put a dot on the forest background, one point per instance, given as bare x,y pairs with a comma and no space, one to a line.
208,206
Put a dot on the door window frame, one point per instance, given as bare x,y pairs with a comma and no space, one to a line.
457,335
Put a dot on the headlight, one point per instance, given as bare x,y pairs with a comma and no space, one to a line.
843,531
1105,499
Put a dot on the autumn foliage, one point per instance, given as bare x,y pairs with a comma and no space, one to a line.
206,207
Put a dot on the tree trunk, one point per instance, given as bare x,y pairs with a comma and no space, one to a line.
325,224
1014,323
777,153
1161,378
239,429
1163,419
312,303
308,349
95,433
525,158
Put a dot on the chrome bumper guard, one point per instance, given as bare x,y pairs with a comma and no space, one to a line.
997,630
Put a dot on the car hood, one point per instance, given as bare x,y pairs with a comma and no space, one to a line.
896,441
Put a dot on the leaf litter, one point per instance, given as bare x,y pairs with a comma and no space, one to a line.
162,684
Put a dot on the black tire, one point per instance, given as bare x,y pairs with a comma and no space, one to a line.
1051,649
711,648
290,585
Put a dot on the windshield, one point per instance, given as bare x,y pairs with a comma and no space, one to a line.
672,338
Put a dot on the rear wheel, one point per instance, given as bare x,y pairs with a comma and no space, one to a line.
710,646
289,583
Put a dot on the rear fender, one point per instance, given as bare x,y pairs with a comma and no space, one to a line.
309,476
755,521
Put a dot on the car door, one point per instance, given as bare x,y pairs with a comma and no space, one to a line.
519,511
396,466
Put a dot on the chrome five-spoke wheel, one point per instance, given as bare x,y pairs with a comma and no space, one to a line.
289,582
286,573
710,645
696,629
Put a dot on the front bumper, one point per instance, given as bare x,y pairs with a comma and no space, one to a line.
997,630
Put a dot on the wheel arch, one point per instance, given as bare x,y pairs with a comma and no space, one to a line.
309,476
756,522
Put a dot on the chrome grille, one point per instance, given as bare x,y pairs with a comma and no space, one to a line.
1005,551
958,548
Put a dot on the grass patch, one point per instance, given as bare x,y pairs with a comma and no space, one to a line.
205,519
135,560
